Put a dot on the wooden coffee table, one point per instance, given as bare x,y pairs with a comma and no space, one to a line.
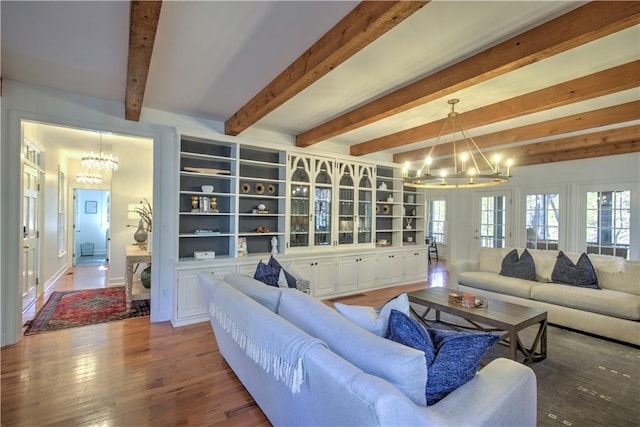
498,316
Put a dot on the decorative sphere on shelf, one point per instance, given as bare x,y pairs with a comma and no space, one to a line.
262,207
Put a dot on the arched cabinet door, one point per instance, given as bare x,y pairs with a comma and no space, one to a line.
347,218
324,171
300,215
365,189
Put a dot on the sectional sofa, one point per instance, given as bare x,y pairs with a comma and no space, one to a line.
305,364
612,311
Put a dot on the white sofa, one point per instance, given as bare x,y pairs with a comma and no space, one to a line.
305,364
612,311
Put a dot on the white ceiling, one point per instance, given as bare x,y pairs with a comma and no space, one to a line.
211,57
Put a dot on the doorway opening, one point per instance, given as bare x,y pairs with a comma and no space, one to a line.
91,220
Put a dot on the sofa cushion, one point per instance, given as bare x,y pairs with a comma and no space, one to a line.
401,366
265,295
544,261
603,301
495,283
627,280
267,274
491,258
452,357
371,319
520,267
580,274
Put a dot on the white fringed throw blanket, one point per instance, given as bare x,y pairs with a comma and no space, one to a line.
271,342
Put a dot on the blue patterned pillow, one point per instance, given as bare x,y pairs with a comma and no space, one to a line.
581,274
266,274
274,263
523,268
452,357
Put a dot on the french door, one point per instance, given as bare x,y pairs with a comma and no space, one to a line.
492,220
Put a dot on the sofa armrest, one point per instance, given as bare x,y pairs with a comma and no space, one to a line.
504,393
460,266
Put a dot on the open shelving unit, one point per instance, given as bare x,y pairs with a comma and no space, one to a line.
206,218
413,225
388,207
262,184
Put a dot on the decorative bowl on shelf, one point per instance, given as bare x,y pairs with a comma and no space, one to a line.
207,188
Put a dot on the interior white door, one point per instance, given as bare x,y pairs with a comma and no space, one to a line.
492,214
30,235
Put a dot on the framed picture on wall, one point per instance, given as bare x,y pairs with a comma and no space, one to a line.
90,207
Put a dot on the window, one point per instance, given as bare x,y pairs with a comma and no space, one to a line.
609,222
437,214
542,221
493,216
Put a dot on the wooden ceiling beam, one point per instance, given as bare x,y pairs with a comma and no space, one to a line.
580,26
598,150
143,23
595,144
577,122
364,24
605,82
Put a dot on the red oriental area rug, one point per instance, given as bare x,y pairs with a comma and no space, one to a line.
70,309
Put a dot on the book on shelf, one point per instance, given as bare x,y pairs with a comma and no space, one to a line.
206,232
242,246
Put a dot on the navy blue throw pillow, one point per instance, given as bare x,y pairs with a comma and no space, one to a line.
274,263
291,281
522,268
452,357
266,274
581,274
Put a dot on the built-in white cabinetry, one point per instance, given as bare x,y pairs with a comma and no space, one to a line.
414,265
355,205
356,272
388,267
345,225
191,305
321,273
331,203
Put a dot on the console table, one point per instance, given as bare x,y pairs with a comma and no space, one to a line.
134,255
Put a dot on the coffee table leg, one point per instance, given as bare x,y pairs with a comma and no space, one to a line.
513,345
421,317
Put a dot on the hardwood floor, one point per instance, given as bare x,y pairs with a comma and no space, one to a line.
133,372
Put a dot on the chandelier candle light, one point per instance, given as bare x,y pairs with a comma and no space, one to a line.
479,173
99,160
89,177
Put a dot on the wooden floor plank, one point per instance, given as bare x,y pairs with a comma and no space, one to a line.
132,372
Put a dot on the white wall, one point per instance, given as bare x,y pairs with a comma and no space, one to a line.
52,265
131,186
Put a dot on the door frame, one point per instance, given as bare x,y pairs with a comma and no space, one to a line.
30,298
76,213
509,217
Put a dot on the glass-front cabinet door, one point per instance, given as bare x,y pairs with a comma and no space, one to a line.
365,205
300,200
322,204
347,220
